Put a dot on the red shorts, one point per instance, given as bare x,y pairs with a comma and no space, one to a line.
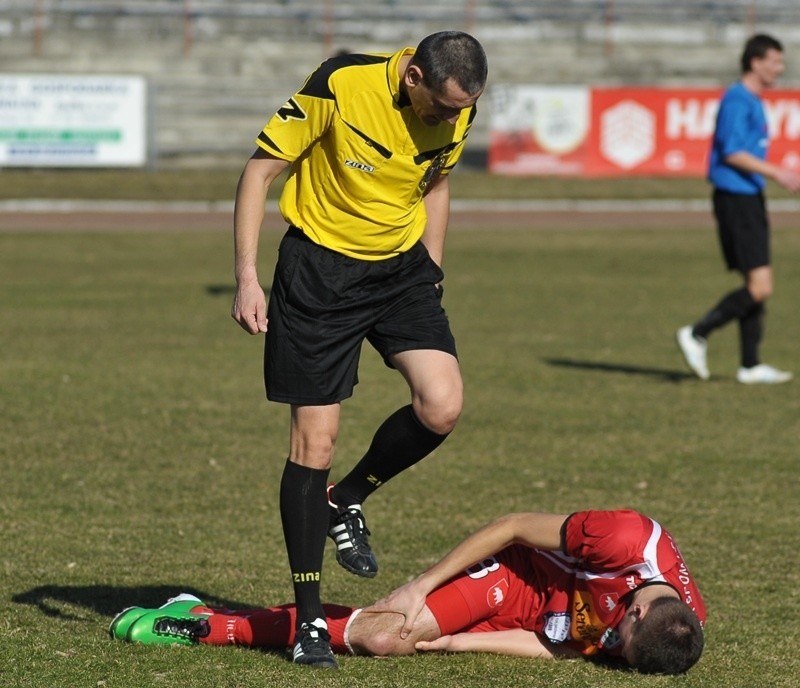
496,594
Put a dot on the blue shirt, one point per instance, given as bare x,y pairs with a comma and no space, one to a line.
741,126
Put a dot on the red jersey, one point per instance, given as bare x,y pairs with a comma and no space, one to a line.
574,596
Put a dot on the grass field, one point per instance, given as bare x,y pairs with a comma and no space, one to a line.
219,183
140,459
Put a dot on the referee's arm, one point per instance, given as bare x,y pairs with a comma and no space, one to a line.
250,305
437,208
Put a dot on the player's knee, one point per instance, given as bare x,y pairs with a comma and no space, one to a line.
760,291
759,284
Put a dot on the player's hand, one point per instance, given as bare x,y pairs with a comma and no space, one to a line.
789,179
443,644
407,600
250,307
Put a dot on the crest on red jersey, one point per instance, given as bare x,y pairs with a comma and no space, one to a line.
609,601
496,594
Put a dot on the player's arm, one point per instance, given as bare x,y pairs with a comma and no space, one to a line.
516,642
539,530
787,178
249,305
729,136
437,208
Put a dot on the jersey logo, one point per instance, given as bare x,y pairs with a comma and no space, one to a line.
609,601
291,110
359,166
586,624
496,595
432,173
556,626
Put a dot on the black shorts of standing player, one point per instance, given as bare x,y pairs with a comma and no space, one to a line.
743,230
323,305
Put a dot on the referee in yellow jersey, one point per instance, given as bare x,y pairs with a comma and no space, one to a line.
369,141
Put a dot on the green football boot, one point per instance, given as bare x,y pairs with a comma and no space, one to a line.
118,628
171,624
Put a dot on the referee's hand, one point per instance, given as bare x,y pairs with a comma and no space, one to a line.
250,307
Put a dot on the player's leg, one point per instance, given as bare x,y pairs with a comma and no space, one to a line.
271,628
751,330
759,283
378,633
185,620
732,306
487,596
182,620
738,221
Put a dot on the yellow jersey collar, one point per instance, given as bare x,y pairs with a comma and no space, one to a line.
393,78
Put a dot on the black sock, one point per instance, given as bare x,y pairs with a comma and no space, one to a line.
304,514
751,328
400,442
732,306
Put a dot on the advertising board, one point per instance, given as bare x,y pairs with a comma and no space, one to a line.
72,121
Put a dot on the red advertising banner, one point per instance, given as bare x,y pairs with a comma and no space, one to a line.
622,131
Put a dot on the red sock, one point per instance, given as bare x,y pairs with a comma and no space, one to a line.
273,627
338,618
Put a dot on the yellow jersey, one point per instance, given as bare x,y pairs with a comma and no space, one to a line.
361,159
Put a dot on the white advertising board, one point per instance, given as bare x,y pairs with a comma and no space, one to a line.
72,121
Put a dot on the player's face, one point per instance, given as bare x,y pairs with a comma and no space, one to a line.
434,107
768,68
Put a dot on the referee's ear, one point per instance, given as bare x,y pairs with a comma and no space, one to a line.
414,75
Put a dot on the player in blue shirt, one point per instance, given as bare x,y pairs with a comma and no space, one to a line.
737,172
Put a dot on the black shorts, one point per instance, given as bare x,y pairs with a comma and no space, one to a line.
743,230
323,305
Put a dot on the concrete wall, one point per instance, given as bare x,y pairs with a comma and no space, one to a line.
217,74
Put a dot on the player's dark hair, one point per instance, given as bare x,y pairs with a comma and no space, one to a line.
452,55
756,47
666,640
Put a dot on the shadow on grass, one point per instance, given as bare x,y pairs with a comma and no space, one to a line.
668,375
106,600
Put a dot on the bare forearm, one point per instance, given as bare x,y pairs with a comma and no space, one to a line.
249,303
248,214
437,208
515,642
247,219
531,529
750,163
788,178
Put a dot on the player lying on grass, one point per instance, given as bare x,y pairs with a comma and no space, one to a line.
595,584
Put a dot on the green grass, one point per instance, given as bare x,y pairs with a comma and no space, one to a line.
219,184
139,458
